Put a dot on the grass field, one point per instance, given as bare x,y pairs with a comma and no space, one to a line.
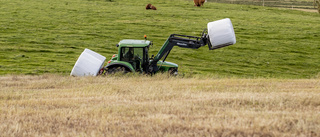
39,37
265,85
52,105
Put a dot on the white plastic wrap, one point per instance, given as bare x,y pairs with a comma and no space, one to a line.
89,63
221,33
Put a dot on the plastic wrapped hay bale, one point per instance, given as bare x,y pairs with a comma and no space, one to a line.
89,63
221,33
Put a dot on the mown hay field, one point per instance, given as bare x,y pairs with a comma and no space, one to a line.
53,105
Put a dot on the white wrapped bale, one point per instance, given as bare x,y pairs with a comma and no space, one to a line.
89,63
221,33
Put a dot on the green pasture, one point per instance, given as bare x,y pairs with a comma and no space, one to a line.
39,36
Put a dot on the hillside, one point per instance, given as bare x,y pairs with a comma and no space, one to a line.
39,37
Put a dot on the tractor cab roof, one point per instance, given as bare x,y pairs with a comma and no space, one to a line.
134,43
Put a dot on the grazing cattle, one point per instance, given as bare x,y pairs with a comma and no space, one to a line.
198,3
150,7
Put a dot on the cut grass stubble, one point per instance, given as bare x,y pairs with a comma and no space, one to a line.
39,37
143,106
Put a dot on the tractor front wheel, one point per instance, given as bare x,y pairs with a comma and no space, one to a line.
173,71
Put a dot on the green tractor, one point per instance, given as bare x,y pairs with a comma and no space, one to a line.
133,55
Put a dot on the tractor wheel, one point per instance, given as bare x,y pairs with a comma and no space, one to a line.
173,71
117,70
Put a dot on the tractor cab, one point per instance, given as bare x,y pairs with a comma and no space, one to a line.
135,52
132,56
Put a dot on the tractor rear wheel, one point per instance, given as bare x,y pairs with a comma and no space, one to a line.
117,70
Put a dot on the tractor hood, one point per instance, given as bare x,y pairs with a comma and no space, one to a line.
167,64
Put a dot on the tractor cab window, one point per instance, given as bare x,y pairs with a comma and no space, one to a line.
132,55
127,54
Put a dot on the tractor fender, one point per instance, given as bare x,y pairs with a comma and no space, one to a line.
120,64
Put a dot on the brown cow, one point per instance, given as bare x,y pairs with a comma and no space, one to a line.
198,3
150,6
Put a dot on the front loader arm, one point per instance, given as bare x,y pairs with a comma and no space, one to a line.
221,35
183,41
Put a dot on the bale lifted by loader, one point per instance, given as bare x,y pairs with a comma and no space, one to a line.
133,55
